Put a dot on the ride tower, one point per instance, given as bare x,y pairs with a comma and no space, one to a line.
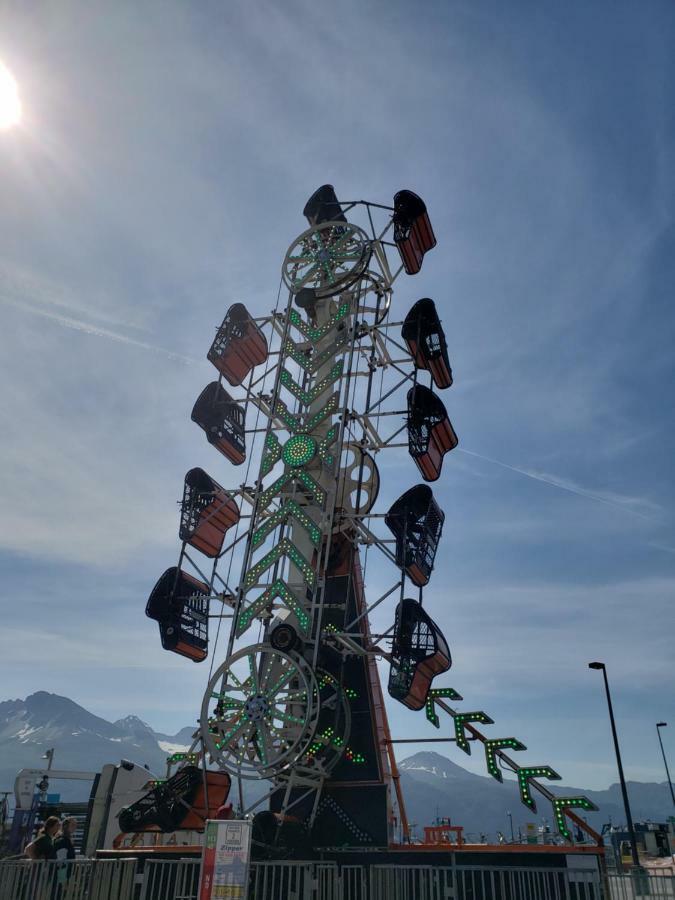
327,382
303,706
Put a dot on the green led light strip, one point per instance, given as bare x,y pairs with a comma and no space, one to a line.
562,804
182,757
524,777
436,694
289,510
294,423
331,436
319,495
285,547
492,746
460,719
315,334
271,454
310,362
278,590
307,397
353,757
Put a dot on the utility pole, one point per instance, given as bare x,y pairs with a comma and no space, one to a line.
629,819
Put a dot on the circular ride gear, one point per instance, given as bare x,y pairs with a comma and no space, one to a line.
284,637
358,481
327,258
333,727
259,712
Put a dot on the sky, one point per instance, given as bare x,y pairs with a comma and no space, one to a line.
159,174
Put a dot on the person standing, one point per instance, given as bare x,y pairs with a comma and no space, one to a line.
63,845
64,849
43,845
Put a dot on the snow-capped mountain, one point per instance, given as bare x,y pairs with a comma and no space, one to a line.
81,740
432,784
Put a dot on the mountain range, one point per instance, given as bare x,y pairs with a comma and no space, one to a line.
432,784
81,740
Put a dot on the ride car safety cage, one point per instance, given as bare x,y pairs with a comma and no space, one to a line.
180,603
207,512
419,652
430,431
416,521
178,803
426,342
323,206
413,234
239,345
222,419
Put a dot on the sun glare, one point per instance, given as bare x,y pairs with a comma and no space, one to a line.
10,105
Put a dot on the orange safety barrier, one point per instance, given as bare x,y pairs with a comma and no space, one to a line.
440,834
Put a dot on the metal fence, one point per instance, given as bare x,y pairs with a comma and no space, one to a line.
78,880
638,884
132,879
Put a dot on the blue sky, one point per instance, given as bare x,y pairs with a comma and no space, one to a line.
159,175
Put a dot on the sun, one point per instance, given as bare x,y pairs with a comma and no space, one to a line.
10,105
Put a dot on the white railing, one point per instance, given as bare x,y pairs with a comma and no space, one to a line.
78,880
659,886
153,879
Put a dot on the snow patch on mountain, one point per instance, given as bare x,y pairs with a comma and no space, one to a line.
168,747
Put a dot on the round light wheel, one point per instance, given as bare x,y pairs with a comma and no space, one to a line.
327,258
259,712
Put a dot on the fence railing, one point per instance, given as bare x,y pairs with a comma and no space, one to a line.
152,879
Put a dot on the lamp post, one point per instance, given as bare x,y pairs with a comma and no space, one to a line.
624,792
513,840
659,726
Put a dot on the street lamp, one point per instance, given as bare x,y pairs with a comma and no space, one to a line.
626,805
513,840
659,726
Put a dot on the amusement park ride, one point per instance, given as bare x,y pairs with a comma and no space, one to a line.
312,395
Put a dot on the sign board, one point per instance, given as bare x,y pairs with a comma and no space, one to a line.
225,860
580,865
532,834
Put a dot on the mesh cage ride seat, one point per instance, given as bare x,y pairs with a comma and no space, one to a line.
413,234
425,339
430,431
239,345
222,420
419,652
416,521
323,206
180,604
207,513
181,802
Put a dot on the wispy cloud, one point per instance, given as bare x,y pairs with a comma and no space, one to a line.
623,502
88,328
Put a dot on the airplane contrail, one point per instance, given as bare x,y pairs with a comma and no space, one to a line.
79,325
581,492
